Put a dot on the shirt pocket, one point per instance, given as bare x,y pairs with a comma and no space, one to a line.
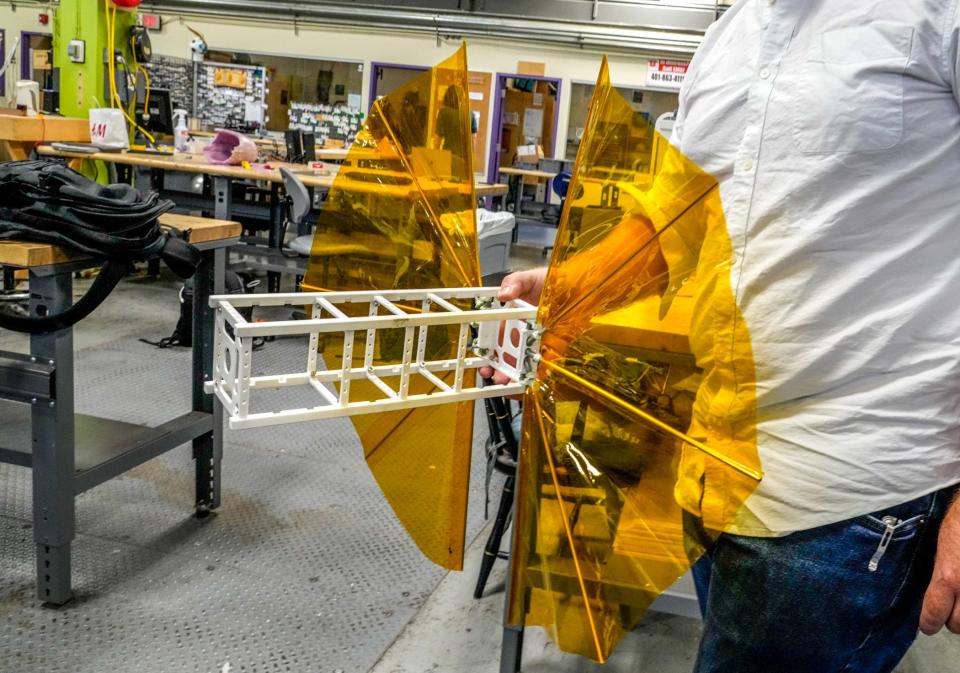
849,95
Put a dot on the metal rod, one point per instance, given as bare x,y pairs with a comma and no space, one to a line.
291,327
379,383
435,380
324,393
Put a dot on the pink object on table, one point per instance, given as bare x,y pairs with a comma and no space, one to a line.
230,147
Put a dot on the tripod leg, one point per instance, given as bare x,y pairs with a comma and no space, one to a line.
492,549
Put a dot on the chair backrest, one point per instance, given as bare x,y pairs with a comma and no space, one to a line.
298,193
560,183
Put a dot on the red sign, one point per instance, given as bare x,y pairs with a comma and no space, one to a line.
151,21
666,73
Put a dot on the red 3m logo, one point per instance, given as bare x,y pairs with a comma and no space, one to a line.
98,130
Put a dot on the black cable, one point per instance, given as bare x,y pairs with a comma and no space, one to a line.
46,202
110,275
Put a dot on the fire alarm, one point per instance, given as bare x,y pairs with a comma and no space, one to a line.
44,19
151,21
127,3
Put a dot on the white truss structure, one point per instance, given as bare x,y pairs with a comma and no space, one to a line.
512,350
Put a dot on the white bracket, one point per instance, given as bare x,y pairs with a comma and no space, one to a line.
512,350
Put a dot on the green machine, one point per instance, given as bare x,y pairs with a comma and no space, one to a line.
84,33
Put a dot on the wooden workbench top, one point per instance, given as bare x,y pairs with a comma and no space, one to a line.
18,133
528,172
27,255
202,229
194,163
640,326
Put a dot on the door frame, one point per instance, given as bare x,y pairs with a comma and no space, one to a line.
25,36
375,68
3,60
496,132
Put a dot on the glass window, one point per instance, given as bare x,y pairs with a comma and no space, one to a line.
650,104
307,81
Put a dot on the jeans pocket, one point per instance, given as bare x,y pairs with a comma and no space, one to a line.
894,527
903,529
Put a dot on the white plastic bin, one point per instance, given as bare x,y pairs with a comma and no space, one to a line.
495,232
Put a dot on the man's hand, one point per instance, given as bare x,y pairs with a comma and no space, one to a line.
525,285
941,605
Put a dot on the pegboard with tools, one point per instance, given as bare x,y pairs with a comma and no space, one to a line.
175,74
232,96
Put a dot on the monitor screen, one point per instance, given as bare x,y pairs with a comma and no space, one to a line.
158,118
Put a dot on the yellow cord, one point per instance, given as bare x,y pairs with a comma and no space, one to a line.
115,101
141,70
146,89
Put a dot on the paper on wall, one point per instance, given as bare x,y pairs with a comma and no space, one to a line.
533,122
253,112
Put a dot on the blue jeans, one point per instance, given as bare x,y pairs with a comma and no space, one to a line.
843,598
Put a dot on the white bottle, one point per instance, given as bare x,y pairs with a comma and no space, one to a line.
181,135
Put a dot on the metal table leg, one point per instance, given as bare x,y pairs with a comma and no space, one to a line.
511,653
518,204
276,225
222,197
208,449
53,444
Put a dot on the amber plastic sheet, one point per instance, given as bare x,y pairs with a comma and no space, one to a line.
402,214
639,437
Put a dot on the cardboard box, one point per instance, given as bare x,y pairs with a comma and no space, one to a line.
531,68
529,154
41,60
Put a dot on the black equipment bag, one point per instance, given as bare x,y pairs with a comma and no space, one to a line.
234,283
47,202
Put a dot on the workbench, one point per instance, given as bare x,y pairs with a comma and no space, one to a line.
267,258
516,178
19,133
197,164
71,453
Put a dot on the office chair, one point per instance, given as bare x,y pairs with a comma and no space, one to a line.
298,204
560,184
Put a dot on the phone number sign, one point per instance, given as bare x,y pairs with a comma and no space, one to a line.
665,73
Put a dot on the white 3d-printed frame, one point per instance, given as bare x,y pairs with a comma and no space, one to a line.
512,351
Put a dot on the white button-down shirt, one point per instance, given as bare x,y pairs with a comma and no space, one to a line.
833,128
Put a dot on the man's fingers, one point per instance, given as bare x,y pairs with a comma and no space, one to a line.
938,604
953,624
513,286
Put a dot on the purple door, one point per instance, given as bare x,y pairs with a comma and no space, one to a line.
496,135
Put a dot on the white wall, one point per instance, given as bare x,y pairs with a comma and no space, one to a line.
338,42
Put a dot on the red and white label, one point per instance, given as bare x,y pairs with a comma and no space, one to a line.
151,21
665,73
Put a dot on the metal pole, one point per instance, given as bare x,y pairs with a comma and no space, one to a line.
52,430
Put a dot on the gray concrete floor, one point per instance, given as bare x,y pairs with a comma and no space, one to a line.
453,633
446,632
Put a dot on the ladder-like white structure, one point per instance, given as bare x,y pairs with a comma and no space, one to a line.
512,351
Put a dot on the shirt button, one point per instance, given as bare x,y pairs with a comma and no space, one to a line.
746,165
764,73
